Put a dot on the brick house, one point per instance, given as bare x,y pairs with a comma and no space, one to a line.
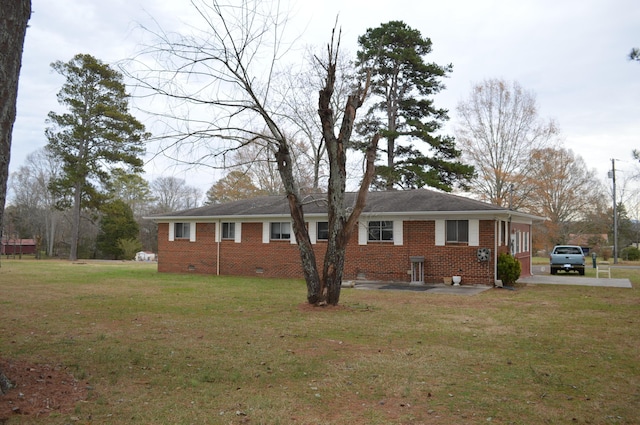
417,236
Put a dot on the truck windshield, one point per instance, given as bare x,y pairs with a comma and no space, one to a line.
568,250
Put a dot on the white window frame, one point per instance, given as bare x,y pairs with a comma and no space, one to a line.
191,236
384,227
230,228
457,239
317,229
280,223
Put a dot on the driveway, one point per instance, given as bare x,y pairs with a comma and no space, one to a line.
542,276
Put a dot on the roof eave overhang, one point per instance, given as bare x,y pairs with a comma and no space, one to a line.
413,215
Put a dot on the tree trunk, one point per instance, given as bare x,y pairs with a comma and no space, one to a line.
307,254
13,28
75,223
341,227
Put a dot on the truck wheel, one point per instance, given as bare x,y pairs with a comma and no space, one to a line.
581,272
554,271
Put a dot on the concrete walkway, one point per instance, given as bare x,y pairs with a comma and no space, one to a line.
432,288
440,288
561,279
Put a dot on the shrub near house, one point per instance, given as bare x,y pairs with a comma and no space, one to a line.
404,236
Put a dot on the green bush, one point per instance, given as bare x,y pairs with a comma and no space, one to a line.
129,248
508,269
630,253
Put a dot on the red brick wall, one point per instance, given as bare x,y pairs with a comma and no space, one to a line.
375,261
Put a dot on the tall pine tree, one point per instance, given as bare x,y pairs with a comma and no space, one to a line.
96,134
403,112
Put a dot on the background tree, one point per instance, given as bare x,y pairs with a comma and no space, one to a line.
173,194
13,28
232,187
35,202
256,160
135,191
564,191
131,188
97,132
240,48
402,110
117,224
302,111
626,230
498,127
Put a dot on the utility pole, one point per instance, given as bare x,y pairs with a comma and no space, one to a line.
612,175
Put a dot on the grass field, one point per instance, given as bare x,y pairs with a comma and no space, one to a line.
183,349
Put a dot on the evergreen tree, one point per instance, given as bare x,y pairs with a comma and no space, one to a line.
401,83
97,132
117,224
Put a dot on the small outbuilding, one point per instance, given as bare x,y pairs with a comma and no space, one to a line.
145,256
14,246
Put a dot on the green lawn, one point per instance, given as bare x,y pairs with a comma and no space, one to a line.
186,349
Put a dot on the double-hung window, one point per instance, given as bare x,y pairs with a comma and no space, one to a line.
457,231
181,230
281,231
228,230
322,230
380,230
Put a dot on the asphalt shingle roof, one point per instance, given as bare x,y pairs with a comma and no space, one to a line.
400,201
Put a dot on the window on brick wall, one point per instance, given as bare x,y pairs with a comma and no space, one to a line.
228,230
380,230
181,230
281,231
323,230
457,231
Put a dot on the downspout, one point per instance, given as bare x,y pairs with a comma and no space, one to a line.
218,239
496,237
530,239
509,237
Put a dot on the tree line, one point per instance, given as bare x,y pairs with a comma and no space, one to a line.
226,100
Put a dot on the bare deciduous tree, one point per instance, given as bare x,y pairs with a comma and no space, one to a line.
172,194
257,161
220,84
31,195
302,110
498,128
564,191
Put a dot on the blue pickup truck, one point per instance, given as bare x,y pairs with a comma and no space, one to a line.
567,258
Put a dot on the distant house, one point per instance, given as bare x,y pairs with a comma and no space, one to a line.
11,246
417,236
145,256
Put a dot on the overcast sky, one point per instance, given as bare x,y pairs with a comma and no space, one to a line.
571,53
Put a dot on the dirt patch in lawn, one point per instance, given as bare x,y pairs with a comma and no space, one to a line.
39,389
306,307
